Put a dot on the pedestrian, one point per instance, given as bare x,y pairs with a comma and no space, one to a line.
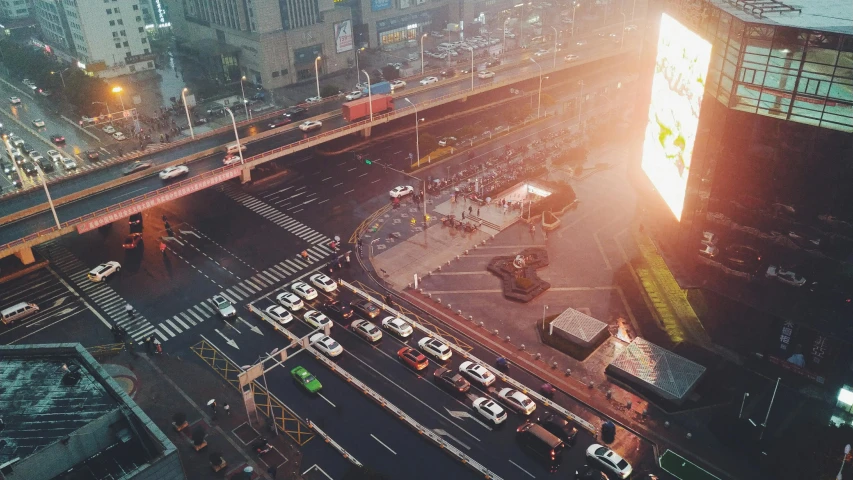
158,348
347,257
304,255
478,211
227,408
148,345
463,215
213,406
470,210
129,309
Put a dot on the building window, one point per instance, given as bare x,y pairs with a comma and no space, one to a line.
136,7
112,23
123,34
138,19
146,51
125,44
109,11
115,34
118,45
120,22
141,29
144,40
116,9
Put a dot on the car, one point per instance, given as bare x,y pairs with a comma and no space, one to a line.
174,172
365,307
586,472
493,63
323,282
27,82
613,35
785,276
401,191
353,95
412,358
517,401
447,73
279,314
290,301
313,99
17,157
484,74
398,326
45,164
366,330
16,140
6,166
38,123
132,241
805,238
280,122
45,93
226,310
428,80
709,238
316,319
109,129
608,460
295,112
630,28
88,120
398,84
541,52
136,166
306,380
304,290
436,348
103,271
311,125
119,136
35,155
709,251
339,309
490,410
477,373
57,139
743,257
93,155
33,87
14,100
54,155
451,381
68,163
29,167
580,43
231,159
509,35
602,34
326,344
570,57
135,219
560,427
447,142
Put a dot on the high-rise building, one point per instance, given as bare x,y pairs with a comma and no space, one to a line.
104,37
14,9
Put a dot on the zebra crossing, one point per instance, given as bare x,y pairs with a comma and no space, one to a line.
101,294
280,273
274,215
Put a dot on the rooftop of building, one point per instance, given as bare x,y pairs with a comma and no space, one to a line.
825,15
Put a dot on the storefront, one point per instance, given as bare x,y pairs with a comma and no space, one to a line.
409,27
303,59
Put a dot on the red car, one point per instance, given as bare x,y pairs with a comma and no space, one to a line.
57,139
413,358
132,241
280,122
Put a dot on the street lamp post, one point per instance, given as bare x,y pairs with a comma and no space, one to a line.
369,94
622,35
47,193
417,136
357,51
317,74
187,109
117,90
505,22
742,403
574,8
544,309
846,452
236,135
555,46
580,110
472,68
539,103
422,52
109,115
61,78
243,92
633,7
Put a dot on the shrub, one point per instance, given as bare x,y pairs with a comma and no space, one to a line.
523,283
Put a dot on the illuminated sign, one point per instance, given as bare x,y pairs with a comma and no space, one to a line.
677,89
377,5
343,36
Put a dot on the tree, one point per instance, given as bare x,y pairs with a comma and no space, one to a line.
329,91
390,72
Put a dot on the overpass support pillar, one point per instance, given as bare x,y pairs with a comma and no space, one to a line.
26,256
246,175
366,132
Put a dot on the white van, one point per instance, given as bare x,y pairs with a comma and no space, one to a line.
18,311
232,148
444,46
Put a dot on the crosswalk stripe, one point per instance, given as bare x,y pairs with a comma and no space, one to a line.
166,329
282,270
241,292
257,288
187,317
177,329
238,297
292,266
248,286
259,281
202,311
186,327
267,275
227,297
191,312
207,307
141,334
301,264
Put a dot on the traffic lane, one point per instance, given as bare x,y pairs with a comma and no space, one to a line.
359,424
42,107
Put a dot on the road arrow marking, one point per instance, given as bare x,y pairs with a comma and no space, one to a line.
443,433
463,415
251,327
174,240
59,301
227,340
189,232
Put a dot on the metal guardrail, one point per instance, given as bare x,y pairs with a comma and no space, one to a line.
509,380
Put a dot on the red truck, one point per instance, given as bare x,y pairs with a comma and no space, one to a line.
360,109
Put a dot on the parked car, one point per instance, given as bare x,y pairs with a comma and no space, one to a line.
451,381
608,460
785,276
366,330
365,308
490,410
412,358
402,191
436,348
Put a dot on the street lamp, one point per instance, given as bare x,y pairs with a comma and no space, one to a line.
472,68
61,77
622,35
846,452
555,46
422,52
544,309
418,150
317,74
109,115
357,51
187,109
369,94
243,92
580,110
539,103
575,7
47,193
505,22
237,136
117,90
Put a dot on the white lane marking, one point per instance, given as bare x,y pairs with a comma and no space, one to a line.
128,193
324,201
523,470
327,400
337,184
327,178
349,191
380,443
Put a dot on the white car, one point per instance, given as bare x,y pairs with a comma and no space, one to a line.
541,52
366,330
38,123
398,84
484,74
54,156
436,348
580,43
353,95
397,326
401,191
316,319
15,100
509,35
326,344
231,159
428,80
119,136
226,310
477,373
709,238
68,163
517,401
174,172
109,129
313,99
323,282
490,410
785,276
290,301
279,314
609,461
311,125
304,290
570,58
104,270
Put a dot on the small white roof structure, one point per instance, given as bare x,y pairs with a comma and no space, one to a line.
665,373
578,327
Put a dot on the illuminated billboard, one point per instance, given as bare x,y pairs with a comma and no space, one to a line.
677,89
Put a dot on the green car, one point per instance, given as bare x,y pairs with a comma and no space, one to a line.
308,381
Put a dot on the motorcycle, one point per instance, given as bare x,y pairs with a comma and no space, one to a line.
262,446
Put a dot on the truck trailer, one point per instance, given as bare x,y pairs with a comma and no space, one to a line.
360,109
